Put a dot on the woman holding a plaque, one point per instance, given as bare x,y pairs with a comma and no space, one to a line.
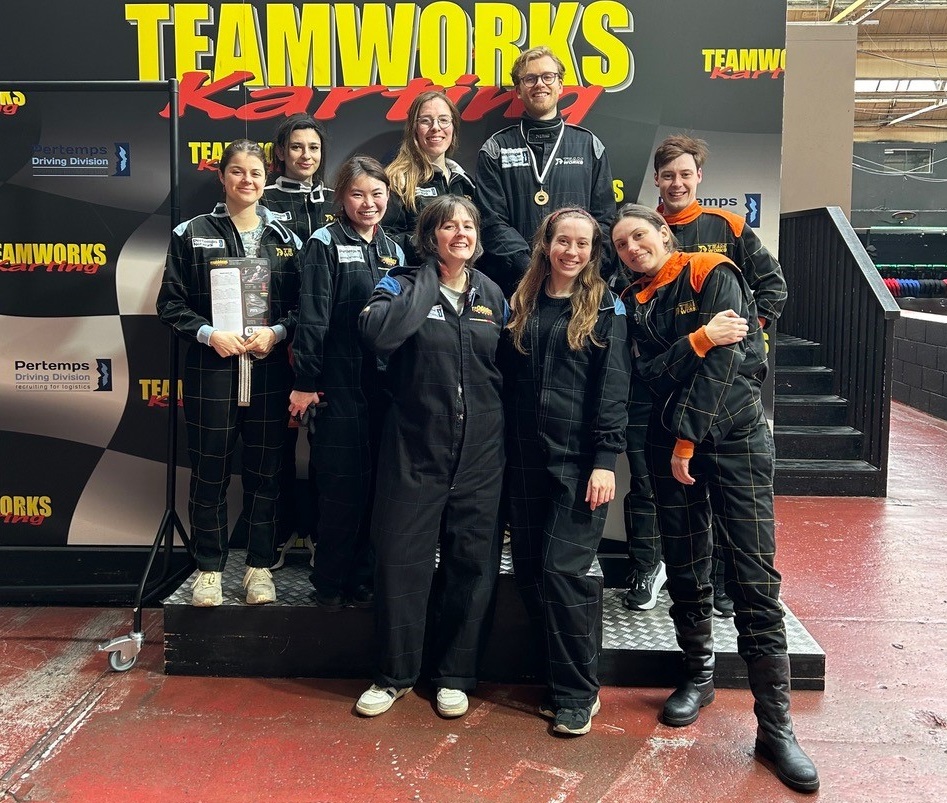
341,264
441,464
230,287
423,169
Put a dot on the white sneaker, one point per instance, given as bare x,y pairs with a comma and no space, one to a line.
451,702
378,699
207,593
259,585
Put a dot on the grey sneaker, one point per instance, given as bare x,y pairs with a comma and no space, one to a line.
259,585
378,699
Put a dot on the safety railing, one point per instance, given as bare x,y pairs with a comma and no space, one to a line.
838,299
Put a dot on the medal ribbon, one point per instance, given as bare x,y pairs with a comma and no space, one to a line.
541,177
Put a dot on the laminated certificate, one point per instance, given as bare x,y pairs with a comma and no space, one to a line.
240,303
240,294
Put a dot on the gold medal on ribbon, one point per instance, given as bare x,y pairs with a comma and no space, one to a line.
541,198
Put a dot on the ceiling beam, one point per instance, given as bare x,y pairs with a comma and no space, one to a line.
852,7
932,107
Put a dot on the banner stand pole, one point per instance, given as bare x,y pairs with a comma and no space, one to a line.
123,650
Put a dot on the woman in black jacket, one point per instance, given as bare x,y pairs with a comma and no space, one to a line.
567,378
441,464
422,170
341,264
238,227
710,453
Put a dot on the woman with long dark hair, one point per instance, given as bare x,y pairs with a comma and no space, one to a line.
238,227
567,379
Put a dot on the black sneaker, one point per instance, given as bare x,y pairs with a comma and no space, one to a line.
360,597
644,585
330,602
576,721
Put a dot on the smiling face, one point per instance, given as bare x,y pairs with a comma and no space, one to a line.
301,155
456,238
677,183
243,179
570,250
541,100
364,203
434,138
642,247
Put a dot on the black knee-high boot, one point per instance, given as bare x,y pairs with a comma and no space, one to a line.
775,741
697,690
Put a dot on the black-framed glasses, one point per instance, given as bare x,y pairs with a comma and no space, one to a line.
531,79
444,121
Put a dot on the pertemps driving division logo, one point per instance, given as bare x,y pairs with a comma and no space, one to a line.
63,377
56,160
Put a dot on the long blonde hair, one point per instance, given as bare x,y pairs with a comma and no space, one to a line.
411,167
589,285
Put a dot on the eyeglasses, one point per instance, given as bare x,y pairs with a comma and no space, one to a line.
548,78
443,121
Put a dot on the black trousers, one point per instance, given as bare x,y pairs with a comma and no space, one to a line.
214,421
412,513
343,457
733,497
555,536
641,529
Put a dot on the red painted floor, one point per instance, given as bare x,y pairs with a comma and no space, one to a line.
867,577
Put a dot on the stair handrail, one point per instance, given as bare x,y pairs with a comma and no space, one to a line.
838,299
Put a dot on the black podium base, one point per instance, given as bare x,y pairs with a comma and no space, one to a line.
295,638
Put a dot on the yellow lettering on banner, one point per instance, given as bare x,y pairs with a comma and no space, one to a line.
498,33
297,44
149,19
615,68
238,43
86,253
556,29
618,187
772,59
445,30
377,47
189,45
757,59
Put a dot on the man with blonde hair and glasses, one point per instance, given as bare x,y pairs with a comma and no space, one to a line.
534,167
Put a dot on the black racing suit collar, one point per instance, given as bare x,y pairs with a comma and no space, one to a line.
316,193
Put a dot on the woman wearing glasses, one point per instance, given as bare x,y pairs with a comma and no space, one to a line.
422,170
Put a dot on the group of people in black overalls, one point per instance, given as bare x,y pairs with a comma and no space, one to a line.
465,355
